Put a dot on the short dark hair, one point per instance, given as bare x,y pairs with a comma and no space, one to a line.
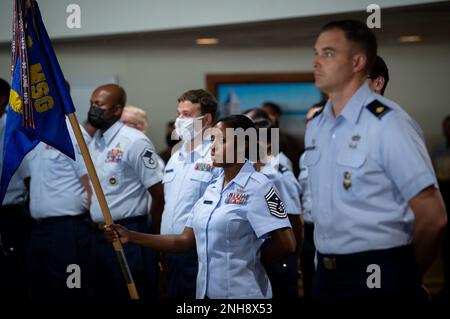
208,103
239,121
261,120
274,106
256,114
4,88
379,68
360,34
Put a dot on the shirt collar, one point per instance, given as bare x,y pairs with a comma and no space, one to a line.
109,134
241,178
199,151
353,108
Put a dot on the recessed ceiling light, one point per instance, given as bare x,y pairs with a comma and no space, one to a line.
207,41
410,38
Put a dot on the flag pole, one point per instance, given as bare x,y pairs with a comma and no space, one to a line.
103,205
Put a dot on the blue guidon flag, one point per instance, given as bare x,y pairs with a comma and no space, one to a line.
39,98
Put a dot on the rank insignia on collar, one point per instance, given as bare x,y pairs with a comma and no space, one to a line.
237,198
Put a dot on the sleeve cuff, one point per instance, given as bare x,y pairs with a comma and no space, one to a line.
416,185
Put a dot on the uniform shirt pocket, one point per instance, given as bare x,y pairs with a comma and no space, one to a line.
311,158
113,177
204,177
168,176
350,174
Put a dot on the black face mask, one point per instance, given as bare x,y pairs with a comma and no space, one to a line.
97,117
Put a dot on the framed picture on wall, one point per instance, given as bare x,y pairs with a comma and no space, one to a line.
295,93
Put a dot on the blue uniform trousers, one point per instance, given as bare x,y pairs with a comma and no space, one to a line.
108,280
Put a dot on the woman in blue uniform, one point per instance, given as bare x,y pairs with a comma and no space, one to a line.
238,213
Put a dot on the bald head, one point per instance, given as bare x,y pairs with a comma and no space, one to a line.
115,93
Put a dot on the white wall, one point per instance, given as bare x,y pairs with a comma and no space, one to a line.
102,17
154,78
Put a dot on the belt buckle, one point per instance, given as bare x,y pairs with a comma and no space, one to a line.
329,263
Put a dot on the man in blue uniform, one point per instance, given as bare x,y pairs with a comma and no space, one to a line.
186,176
379,217
131,177
59,202
377,80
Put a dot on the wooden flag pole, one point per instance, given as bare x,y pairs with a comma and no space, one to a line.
103,205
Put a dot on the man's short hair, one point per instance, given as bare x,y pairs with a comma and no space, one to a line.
208,103
359,34
379,68
275,107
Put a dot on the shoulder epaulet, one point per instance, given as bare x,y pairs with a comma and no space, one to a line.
282,169
318,111
378,109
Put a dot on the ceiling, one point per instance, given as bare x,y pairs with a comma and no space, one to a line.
430,21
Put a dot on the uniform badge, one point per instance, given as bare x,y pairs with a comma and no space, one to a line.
203,167
236,198
282,169
114,156
148,158
378,109
276,206
113,180
355,139
347,180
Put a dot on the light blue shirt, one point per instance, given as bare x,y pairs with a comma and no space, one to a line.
364,166
55,185
230,226
285,183
284,160
305,191
17,191
126,166
186,177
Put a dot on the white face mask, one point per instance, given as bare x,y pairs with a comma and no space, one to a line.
187,129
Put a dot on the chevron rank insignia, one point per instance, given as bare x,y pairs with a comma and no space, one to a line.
378,109
276,206
148,158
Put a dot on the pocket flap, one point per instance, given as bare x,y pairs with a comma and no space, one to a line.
311,157
351,159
